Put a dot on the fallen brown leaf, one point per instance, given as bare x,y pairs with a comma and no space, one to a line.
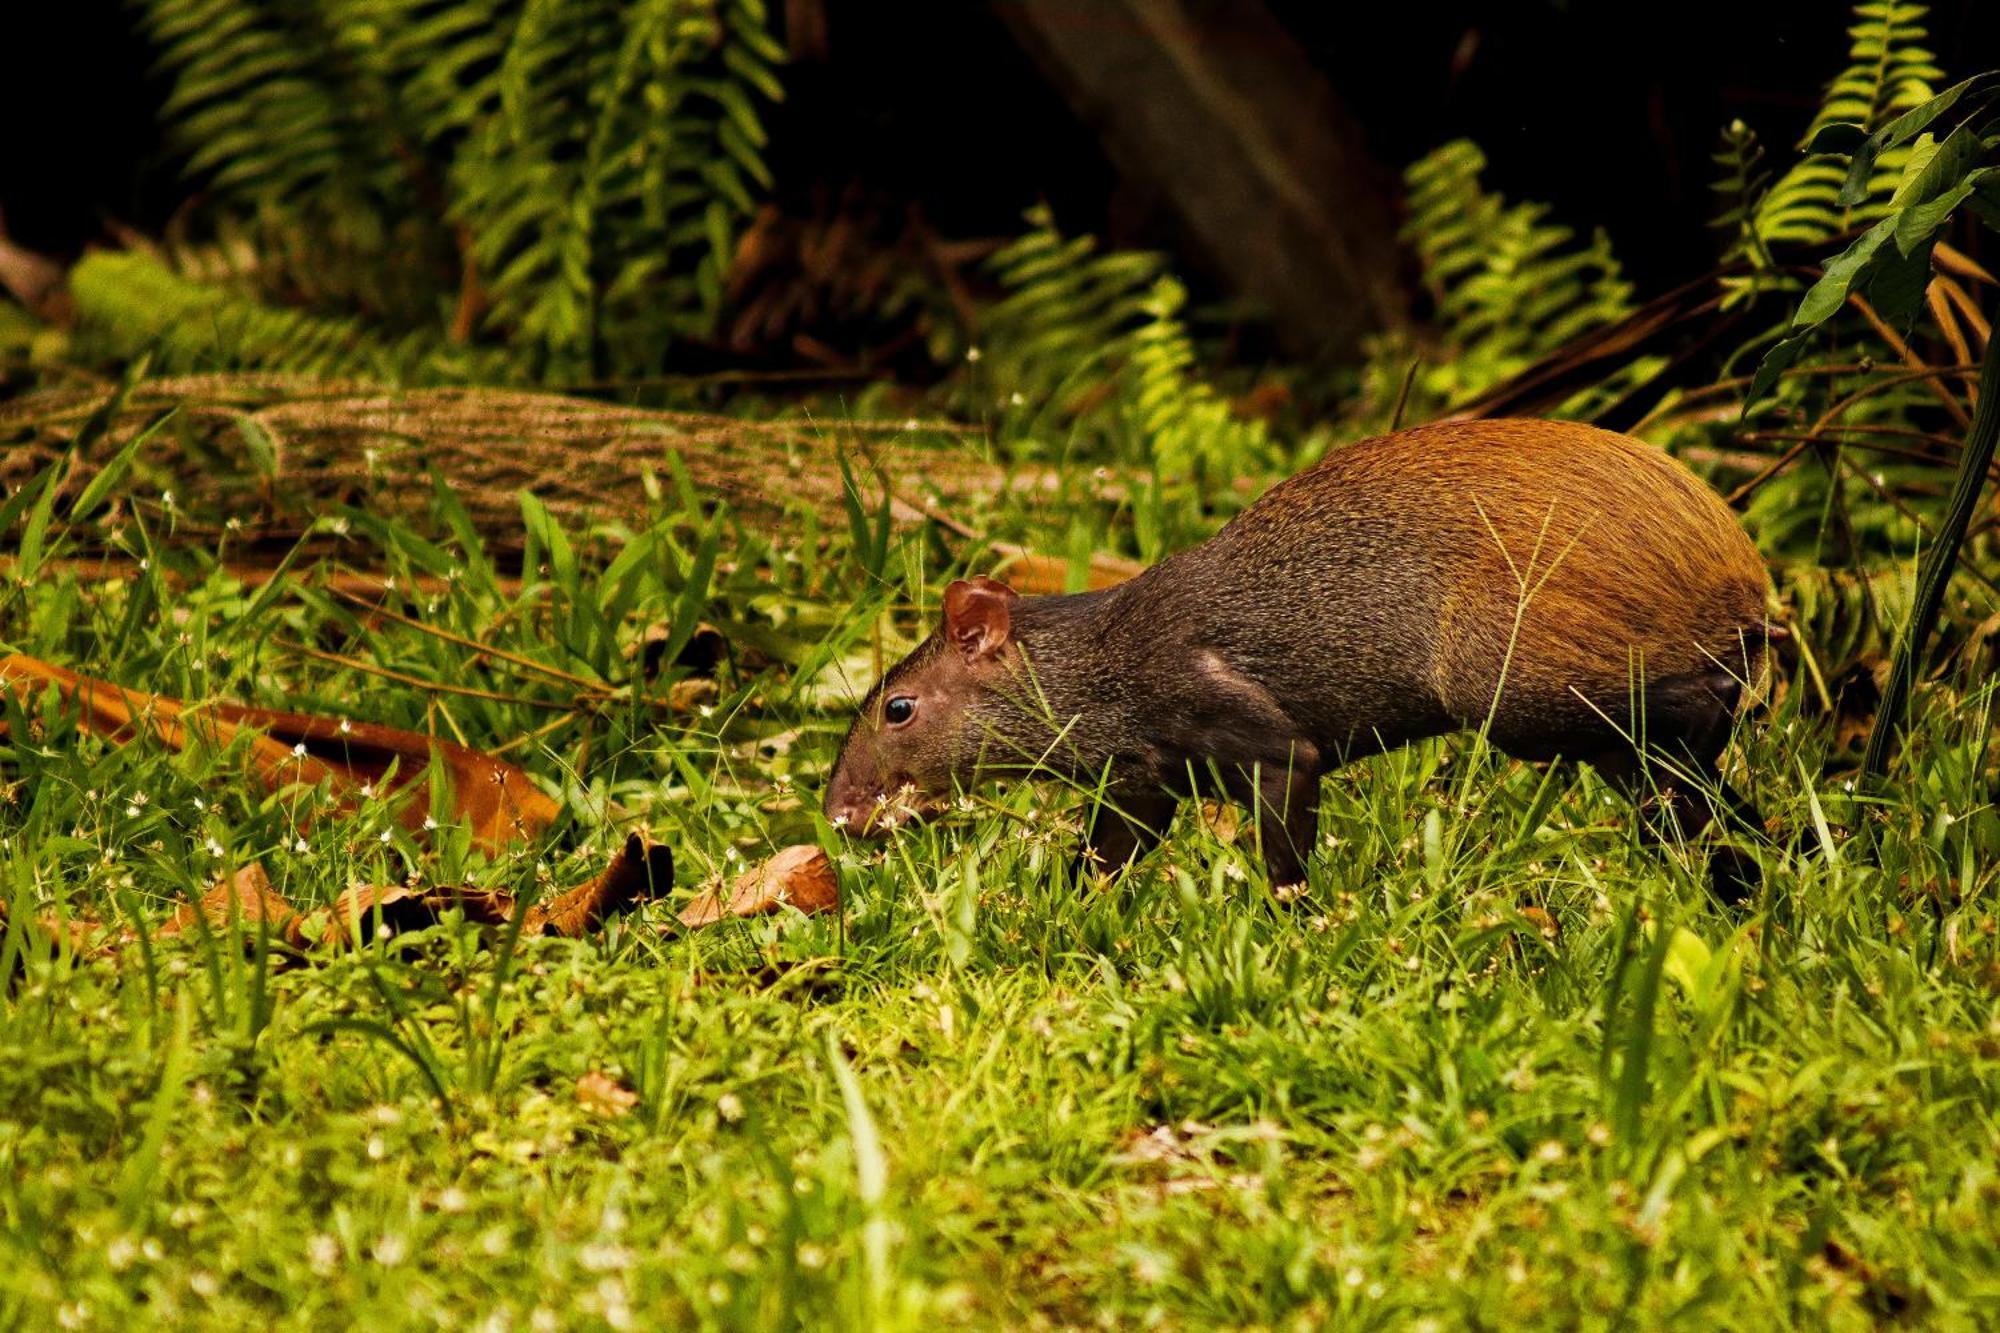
799,877
80,933
244,897
636,871
1032,574
1550,928
639,870
495,800
601,1094
396,909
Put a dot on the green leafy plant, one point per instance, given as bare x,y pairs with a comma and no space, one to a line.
1889,71
1890,265
1097,343
560,179
1506,286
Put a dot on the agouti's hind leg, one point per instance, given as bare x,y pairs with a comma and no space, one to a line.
1671,771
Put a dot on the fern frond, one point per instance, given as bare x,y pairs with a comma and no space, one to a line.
1070,313
564,177
1741,185
1099,340
129,303
1506,284
1889,71
1192,430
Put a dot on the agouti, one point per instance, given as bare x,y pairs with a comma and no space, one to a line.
1575,592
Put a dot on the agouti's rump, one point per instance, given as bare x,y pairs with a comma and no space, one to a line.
1575,592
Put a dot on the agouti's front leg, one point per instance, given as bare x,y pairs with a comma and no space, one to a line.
1122,825
1284,793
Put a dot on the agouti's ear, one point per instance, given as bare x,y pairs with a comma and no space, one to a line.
978,616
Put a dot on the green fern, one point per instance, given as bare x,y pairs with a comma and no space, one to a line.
563,178
1741,187
130,303
1507,286
1068,320
1889,71
1098,342
1191,428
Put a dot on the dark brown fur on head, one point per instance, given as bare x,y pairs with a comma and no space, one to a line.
926,726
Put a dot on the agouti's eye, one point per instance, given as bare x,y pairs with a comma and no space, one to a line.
899,710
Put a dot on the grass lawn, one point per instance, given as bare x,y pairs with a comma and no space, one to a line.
1503,1067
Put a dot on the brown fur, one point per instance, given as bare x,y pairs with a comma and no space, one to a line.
1565,585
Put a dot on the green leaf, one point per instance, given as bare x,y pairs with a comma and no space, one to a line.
112,473
1775,363
1687,959
1904,127
1895,284
1917,225
1838,136
1830,292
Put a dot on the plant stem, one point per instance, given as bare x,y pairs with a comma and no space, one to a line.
1939,561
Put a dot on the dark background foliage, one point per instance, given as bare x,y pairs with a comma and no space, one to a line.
1606,110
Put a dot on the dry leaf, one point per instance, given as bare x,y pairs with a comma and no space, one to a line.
1551,929
636,871
1033,575
400,908
641,869
601,1094
494,799
80,933
799,877
705,650
246,898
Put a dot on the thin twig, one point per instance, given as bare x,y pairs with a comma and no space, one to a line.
375,608
404,678
1910,358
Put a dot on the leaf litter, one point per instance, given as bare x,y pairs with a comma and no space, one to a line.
496,802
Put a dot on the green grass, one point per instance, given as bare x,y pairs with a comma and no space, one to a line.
980,1095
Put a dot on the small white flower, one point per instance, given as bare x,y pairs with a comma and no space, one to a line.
604,1257
323,1253
384,839
345,726
391,1250
972,353
299,750
300,845
429,823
